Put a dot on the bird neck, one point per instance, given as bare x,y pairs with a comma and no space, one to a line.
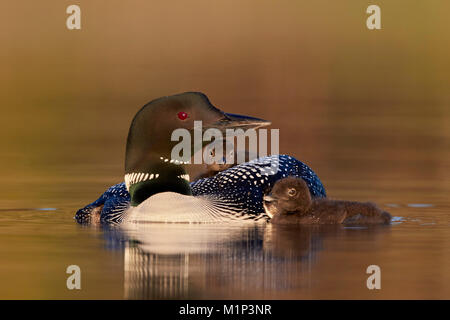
156,178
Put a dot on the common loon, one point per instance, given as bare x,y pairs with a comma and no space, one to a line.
290,202
157,188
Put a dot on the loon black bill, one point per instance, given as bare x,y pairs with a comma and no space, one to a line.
231,120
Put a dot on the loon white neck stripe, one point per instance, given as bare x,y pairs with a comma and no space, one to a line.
185,177
135,177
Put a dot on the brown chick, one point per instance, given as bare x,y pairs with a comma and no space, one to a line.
229,160
290,202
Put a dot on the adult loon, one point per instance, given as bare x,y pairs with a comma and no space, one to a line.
157,188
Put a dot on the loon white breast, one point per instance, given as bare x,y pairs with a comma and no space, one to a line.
171,207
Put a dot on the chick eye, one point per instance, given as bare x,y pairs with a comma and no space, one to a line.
292,192
182,115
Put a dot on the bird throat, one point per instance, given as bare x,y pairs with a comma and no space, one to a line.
142,185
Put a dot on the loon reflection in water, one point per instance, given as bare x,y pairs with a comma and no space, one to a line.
187,257
250,259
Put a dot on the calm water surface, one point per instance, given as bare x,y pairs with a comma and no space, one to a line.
367,110
403,168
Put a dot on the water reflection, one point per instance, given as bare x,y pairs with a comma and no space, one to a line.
155,276
180,261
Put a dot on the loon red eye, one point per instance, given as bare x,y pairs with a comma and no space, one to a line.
182,115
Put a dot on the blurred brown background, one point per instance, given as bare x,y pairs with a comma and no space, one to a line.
368,110
67,97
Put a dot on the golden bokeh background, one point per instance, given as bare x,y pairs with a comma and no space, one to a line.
367,109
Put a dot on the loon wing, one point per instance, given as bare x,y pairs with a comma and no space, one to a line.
108,208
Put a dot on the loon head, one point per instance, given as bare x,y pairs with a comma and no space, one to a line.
149,168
